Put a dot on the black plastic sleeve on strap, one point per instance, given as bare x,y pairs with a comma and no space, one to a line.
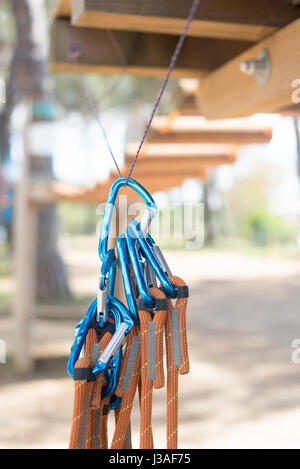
182,292
105,410
84,374
161,304
109,327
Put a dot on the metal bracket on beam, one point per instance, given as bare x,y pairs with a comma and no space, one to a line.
260,67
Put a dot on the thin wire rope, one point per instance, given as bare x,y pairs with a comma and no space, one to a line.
95,112
74,52
165,82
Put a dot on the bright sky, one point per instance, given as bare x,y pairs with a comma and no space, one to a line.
280,152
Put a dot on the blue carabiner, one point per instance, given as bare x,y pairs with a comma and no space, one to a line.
112,375
115,305
137,269
126,278
121,330
81,331
148,253
115,402
112,275
109,207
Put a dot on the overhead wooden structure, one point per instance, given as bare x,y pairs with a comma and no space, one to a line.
234,19
146,53
160,168
225,37
201,154
219,98
152,181
196,129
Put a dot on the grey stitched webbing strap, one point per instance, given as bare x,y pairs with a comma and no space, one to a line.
151,350
127,438
130,363
84,422
176,349
95,353
97,429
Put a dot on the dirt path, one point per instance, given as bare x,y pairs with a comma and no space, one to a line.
243,391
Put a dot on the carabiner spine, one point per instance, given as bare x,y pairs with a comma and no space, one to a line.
113,345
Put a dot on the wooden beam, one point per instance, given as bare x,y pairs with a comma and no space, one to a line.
233,19
152,182
64,8
148,54
155,152
292,111
227,92
188,166
196,129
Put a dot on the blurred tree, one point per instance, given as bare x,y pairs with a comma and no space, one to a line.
26,71
250,192
120,91
250,208
209,223
26,82
264,228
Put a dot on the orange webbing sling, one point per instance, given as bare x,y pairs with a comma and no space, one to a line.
177,359
142,370
128,382
151,334
85,392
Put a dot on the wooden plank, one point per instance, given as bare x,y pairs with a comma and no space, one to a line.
196,129
227,92
155,152
64,8
152,182
187,166
148,54
292,110
249,21
207,136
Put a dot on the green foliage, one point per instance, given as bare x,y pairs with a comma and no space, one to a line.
7,24
263,228
119,91
5,260
77,218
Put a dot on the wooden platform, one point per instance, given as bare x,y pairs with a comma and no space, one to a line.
223,35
